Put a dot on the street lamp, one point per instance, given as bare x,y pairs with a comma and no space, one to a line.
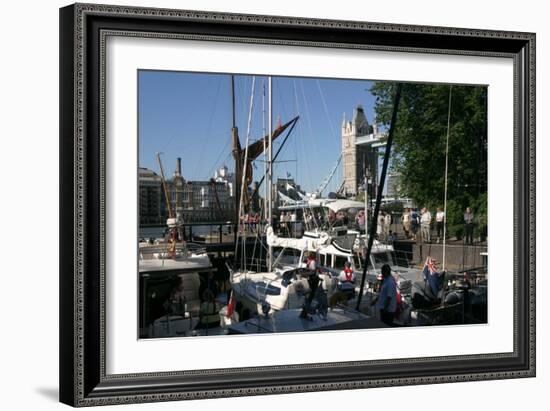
367,182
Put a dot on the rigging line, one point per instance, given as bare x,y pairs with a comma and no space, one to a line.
270,168
446,174
242,89
248,132
326,108
244,168
281,100
304,133
316,153
297,112
208,130
215,165
257,237
282,111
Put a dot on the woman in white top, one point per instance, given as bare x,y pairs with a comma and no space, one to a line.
380,227
406,221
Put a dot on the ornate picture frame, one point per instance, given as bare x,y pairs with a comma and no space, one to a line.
84,29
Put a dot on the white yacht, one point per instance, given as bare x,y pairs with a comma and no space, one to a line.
284,287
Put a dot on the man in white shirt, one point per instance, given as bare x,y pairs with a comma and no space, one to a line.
425,229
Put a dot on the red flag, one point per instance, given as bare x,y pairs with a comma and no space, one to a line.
399,308
230,306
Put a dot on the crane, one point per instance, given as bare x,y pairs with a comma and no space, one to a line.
327,179
164,186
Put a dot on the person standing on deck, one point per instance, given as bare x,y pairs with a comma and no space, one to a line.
293,220
415,223
380,230
311,262
361,221
469,226
387,225
425,225
386,301
439,221
346,281
287,223
406,222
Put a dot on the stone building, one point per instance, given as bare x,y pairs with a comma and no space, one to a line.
201,201
151,200
222,175
360,144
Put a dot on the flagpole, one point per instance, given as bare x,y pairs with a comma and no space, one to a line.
265,148
446,172
270,170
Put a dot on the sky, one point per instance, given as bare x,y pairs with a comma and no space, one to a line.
188,115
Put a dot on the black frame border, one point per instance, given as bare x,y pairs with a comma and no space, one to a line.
83,29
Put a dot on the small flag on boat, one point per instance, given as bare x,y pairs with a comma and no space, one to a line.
432,276
230,306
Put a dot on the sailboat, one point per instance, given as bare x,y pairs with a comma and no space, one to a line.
278,287
287,297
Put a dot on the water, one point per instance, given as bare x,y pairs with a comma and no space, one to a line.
201,230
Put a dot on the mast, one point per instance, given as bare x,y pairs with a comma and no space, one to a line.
244,185
366,193
164,186
235,139
178,188
446,172
264,132
269,187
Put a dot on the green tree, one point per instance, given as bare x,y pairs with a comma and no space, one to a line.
418,152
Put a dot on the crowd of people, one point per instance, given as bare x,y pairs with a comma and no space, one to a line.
412,221
251,222
417,225
385,303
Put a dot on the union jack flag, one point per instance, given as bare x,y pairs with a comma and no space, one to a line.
430,264
432,276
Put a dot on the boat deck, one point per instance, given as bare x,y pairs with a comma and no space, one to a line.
290,321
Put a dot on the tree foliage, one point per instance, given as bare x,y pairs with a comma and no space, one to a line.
418,152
